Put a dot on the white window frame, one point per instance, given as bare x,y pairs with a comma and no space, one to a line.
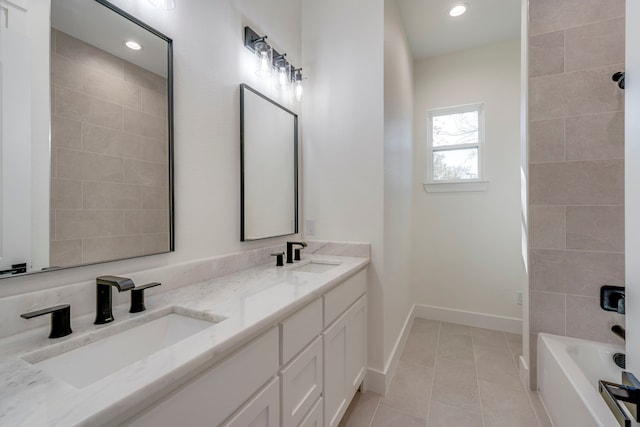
478,184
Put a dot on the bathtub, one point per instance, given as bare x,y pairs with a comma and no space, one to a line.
568,373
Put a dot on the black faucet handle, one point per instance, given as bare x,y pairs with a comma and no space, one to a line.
279,259
297,251
60,319
137,297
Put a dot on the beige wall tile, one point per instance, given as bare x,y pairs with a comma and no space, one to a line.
66,133
66,72
547,312
66,194
595,45
546,141
585,319
106,195
552,15
155,198
596,136
154,103
577,183
547,227
146,173
79,106
155,243
154,150
146,221
596,228
111,88
88,55
103,140
79,224
54,163
65,253
144,124
574,272
144,78
573,94
110,248
79,165
546,54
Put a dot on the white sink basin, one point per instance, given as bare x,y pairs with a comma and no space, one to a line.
315,266
91,362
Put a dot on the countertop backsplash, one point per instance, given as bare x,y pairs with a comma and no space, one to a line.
81,295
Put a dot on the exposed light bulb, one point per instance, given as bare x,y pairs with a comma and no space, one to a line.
458,9
299,90
264,55
133,45
163,4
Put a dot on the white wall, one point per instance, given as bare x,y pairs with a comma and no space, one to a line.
467,247
632,194
342,48
210,62
398,179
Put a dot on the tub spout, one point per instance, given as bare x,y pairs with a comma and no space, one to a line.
619,331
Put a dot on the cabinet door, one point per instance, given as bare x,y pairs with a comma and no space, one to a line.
261,411
301,384
314,417
335,371
212,397
356,345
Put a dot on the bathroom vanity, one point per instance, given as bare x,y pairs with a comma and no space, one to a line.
282,346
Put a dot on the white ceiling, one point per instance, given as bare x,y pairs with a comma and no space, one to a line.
97,25
431,31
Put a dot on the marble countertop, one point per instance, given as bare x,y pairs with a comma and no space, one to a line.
249,301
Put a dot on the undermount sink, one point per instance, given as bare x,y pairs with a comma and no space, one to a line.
314,266
89,363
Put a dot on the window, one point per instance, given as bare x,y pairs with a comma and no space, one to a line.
454,149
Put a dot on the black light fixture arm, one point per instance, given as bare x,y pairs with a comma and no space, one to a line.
250,40
619,78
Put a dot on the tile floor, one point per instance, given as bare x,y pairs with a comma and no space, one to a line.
452,376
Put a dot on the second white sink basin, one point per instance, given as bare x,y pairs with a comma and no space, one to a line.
314,266
91,362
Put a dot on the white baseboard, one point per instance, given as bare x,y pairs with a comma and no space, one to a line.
469,318
379,382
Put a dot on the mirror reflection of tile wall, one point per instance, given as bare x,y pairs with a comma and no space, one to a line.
109,167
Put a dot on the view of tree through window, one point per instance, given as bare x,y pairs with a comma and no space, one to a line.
455,144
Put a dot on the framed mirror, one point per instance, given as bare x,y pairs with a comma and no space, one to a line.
105,189
269,167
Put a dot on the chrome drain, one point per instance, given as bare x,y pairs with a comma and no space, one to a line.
620,360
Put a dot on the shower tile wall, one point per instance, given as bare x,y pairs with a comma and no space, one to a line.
109,169
576,159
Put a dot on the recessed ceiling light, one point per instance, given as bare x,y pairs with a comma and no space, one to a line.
458,9
133,45
163,4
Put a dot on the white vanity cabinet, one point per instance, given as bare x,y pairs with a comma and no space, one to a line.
301,373
344,347
216,394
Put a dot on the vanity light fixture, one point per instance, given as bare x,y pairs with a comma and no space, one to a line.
458,9
163,4
268,59
299,90
133,45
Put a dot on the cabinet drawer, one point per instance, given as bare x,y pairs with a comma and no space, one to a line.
314,417
261,411
217,393
297,330
301,384
340,298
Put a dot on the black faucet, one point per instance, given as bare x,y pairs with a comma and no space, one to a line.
103,296
60,319
290,246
